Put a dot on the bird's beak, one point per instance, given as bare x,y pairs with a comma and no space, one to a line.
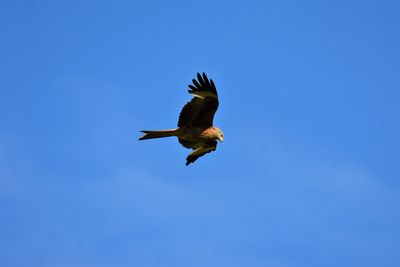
221,139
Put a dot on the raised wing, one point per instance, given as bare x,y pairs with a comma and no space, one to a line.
199,112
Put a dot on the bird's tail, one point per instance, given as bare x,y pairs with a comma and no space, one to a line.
158,134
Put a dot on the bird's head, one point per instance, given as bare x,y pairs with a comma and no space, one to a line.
220,135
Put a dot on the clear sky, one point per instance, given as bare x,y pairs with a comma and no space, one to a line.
308,174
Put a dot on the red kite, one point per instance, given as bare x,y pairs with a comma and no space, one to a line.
195,125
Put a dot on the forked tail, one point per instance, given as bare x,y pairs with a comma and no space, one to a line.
158,134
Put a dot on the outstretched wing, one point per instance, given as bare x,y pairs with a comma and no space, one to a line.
199,112
201,152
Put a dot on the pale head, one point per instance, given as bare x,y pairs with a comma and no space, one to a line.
220,134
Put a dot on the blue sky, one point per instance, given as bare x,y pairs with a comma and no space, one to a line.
308,174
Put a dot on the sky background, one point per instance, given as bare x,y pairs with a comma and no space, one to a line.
308,174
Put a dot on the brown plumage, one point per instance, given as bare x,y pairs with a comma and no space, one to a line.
195,124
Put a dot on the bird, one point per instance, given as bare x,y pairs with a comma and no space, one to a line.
195,129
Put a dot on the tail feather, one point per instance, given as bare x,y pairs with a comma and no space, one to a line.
158,134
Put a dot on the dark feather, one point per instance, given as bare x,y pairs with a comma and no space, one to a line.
213,86
187,144
206,81
200,79
199,112
192,87
193,157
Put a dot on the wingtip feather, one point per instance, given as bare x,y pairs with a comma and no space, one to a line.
200,79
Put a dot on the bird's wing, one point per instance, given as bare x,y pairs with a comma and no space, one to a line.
201,152
199,112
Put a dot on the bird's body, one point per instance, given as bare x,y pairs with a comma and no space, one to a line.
198,135
195,125
185,133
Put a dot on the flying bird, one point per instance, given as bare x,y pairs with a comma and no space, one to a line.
195,124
